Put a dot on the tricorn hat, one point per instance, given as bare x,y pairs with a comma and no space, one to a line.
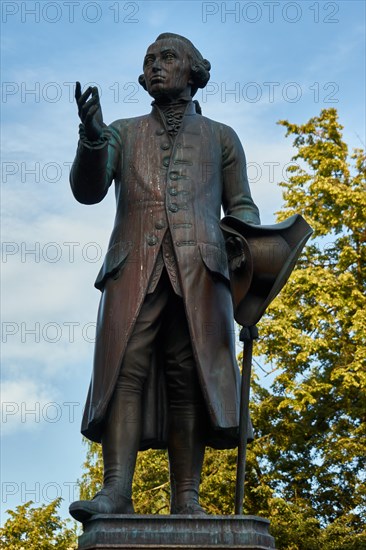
271,252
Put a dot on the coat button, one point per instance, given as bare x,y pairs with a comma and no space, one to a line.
173,191
152,240
173,175
160,224
160,132
165,146
173,207
166,161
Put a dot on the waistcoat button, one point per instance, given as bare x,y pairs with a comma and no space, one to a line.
160,224
152,240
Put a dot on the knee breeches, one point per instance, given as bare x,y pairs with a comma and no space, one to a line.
162,327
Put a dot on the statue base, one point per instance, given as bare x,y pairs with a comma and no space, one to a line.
132,532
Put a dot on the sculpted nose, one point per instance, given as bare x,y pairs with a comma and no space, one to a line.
156,66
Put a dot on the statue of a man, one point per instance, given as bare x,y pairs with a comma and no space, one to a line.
165,372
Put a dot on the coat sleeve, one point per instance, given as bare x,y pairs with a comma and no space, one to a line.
95,165
237,200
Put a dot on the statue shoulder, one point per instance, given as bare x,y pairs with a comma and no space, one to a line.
122,123
222,129
121,127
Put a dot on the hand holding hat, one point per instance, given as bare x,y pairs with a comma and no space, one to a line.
270,253
235,252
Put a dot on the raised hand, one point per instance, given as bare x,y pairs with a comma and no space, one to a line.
90,111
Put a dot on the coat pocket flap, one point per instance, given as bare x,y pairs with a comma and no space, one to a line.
113,261
215,258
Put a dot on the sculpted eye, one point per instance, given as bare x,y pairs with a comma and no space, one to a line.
148,61
169,56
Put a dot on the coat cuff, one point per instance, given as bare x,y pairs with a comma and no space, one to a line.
98,144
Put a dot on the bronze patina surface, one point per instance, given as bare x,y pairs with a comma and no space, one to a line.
165,372
178,532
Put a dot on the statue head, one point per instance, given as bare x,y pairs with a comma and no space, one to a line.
173,66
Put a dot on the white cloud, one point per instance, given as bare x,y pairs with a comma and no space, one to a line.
25,404
49,308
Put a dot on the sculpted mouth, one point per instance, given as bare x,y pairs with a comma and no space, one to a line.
156,79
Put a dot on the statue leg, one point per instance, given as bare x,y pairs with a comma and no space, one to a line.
122,431
119,446
186,453
187,414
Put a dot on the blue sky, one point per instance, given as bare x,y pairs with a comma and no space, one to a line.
270,61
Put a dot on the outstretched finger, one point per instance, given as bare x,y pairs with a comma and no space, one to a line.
83,97
84,107
77,91
95,93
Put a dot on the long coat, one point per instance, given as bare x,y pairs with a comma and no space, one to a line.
163,185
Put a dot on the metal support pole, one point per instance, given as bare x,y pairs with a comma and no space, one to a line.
247,335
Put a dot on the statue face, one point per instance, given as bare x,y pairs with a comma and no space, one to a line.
167,69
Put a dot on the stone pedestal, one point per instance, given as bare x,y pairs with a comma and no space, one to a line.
132,532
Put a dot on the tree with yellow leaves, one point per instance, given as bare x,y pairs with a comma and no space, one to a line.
306,469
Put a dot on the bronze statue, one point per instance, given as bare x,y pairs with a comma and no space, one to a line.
165,372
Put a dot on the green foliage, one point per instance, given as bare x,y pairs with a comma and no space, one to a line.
151,481
92,478
311,423
151,489
30,528
306,469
